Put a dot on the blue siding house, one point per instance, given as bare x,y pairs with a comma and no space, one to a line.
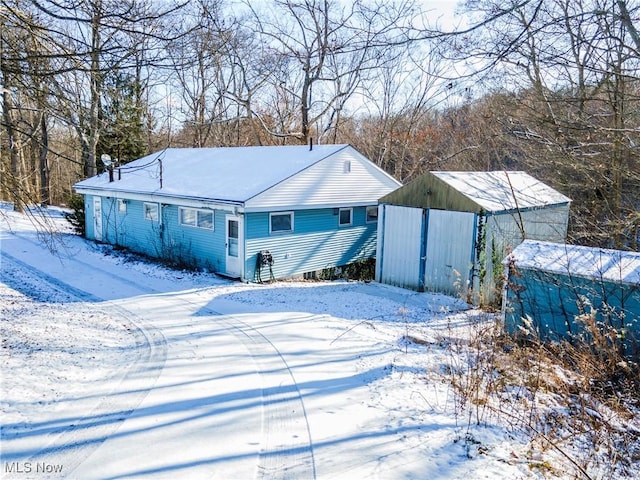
554,285
218,208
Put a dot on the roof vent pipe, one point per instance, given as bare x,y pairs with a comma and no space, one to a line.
310,143
108,163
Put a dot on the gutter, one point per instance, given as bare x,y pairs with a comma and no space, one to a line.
198,202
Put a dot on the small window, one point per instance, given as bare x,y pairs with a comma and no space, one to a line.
187,217
190,217
281,222
150,211
205,219
122,206
346,166
372,214
345,215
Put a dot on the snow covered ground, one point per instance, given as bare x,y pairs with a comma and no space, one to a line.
117,368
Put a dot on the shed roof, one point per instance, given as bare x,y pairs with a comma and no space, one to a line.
228,174
471,191
587,262
501,190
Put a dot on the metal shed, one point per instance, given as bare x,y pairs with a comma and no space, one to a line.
553,285
449,231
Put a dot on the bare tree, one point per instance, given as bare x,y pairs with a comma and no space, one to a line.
572,74
324,50
197,65
24,116
66,52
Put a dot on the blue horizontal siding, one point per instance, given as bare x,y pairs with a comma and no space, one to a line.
198,246
166,238
130,229
317,242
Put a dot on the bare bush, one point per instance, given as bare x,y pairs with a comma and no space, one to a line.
577,402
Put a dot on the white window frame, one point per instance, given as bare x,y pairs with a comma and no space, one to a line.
350,210
197,223
146,212
346,166
122,206
366,214
280,232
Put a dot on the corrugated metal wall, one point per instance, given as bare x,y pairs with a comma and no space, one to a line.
425,249
449,252
399,261
505,231
553,301
548,224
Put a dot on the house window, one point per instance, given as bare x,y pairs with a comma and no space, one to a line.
281,222
372,214
122,206
346,166
205,219
150,211
190,217
345,216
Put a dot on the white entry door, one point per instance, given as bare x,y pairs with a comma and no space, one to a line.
97,218
233,245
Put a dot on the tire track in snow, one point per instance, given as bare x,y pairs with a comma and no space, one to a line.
71,445
82,293
287,448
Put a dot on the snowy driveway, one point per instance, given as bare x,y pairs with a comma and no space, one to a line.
116,368
210,389
207,393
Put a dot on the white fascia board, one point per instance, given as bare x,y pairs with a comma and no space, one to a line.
282,208
203,203
511,211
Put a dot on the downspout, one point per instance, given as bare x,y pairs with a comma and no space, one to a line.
474,264
243,248
424,231
380,242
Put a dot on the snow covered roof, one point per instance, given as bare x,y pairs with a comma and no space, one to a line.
576,260
231,174
501,190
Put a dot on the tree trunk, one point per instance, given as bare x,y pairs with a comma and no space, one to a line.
45,187
13,183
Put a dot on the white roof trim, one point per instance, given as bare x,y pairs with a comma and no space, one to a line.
166,199
285,208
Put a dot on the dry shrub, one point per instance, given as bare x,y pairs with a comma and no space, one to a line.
578,401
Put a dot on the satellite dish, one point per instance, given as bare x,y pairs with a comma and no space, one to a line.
106,159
